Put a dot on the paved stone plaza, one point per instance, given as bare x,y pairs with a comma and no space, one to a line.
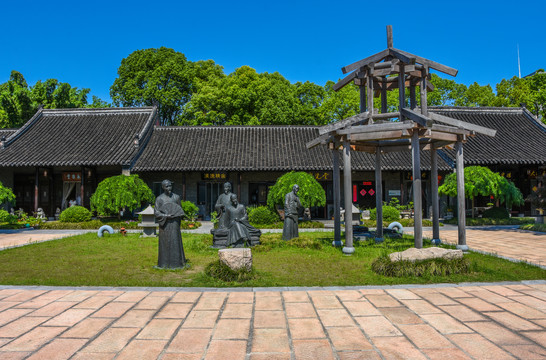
498,321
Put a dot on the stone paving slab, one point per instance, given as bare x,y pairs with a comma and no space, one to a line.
457,321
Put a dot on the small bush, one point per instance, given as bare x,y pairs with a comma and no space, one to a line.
5,216
263,216
488,221
534,227
496,213
221,271
302,225
390,214
75,214
433,267
190,209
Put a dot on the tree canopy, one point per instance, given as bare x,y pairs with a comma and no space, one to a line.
19,101
6,195
120,192
479,180
311,192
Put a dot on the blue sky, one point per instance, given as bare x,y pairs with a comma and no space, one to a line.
83,43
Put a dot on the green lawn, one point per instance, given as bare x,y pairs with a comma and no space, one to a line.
308,261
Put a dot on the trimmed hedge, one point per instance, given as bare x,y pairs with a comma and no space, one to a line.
496,213
75,214
390,214
534,227
302,225
262,215
404,222
96,224
487,221
433,267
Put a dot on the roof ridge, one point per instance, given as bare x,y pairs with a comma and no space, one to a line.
177,127
98,110
476,108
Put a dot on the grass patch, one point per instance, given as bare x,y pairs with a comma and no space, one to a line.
220,271
490,221
310,260
432,267
302,225
534,227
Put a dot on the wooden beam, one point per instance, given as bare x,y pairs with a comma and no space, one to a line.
322,139
451,129
441,136
343,123
377,135
375,58
431,64
417,117
406,58
376,128
341,83
364,148
463,124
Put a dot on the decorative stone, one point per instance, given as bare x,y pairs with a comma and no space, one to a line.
236,258
413,254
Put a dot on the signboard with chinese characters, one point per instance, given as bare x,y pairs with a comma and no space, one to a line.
506,174
532,173
214,176
409,175
72,176
394,192
322,175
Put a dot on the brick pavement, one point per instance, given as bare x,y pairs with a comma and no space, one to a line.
504,241
15,238
500,321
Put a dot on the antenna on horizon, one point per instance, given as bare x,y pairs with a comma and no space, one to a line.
519,65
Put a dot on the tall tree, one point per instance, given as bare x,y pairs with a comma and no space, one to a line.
161,77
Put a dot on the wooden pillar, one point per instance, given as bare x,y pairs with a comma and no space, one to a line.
435,201
362,90
184,186
423,91
401,90
348,249
378,196
82,187
36,188
460,197
369,91
384,95
413,100
337,202
417,206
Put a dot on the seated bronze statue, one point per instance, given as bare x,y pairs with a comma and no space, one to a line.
241,233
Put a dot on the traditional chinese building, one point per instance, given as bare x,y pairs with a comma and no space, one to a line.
61,155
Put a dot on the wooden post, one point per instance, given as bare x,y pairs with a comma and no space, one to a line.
423,91
36,191
378,197
418,217
337,202
389,36
384,96
435,201
82,187
362,90
401,90
348,249
369,91
461,218
413,100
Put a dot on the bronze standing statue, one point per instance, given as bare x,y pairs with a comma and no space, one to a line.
292,209
220,235
168,214
241,233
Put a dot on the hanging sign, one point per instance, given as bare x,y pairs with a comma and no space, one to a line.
214,176
506,174
72,176
322,176
409,175
532,174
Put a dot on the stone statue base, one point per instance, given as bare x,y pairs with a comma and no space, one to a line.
220,238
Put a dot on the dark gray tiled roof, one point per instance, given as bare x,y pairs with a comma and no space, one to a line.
6,133
520,138
69,137
252,148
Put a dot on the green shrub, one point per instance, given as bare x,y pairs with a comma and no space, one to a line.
190,209
433,267
263,216
496,213
75,214
488,221
390,214
534,227
311,192
221,271
5,216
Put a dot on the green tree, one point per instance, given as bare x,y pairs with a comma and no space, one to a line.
310,97
6,195
244,97
339,105
447,92
311,192
161,77
479,180
120,192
